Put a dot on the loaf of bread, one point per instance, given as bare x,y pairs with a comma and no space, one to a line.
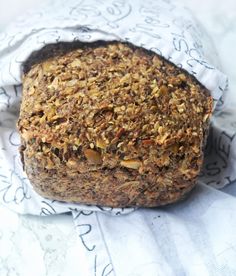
111,124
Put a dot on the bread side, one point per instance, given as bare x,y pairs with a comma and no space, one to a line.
112,125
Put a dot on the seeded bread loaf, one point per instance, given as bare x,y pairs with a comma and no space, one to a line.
111,124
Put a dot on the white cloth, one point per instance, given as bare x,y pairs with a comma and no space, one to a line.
200,227
194,237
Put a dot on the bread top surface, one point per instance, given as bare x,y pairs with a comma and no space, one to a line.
114,105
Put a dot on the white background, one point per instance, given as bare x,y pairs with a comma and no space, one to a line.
9,9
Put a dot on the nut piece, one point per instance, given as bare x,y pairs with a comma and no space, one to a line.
131,164
147,142
182,77
71,163
120,132
163,90
100,143
93,156
76,63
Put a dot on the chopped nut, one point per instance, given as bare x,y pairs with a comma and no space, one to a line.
54,84
120,144
25,135
198,109
156,126
71,163
196,149
76,63
147,142
71,83
160,140
164,160
47,67
49,165
100,143
145,127
206,117
78,142
163,90
182,77
31,91
181,108
120,132
160,129
175,148
131,164
93,156
155,91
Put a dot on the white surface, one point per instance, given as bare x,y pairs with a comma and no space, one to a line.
50,244
10,9
219,19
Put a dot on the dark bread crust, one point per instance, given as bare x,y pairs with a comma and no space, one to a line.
111,124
